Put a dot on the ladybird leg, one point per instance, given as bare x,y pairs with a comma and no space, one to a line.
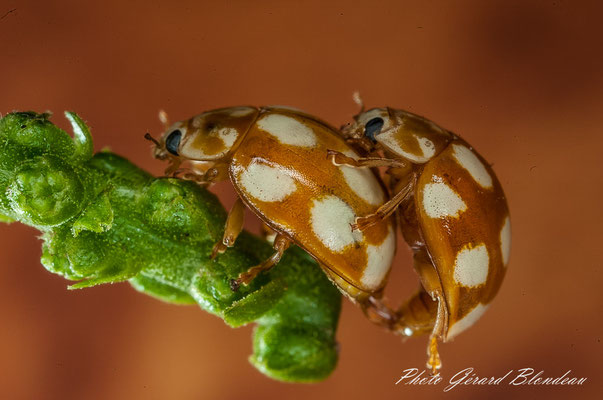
420,315
173,167
430,281
234,225
338,158
434,362
267,233
379,313
217,173
281,243
426,310
387,209
190,175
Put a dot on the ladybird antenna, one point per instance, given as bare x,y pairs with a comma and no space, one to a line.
163,117
148,136
358,100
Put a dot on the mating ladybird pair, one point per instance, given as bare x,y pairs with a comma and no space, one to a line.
315,187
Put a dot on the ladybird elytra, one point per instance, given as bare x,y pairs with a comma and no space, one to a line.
452,212
275,159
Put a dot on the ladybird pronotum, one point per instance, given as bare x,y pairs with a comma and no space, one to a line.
275,157
452,213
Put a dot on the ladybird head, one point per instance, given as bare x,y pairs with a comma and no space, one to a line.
402,133
206,137
367,126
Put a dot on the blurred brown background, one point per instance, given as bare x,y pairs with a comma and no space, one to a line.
520,80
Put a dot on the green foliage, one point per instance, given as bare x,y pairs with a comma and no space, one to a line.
105,220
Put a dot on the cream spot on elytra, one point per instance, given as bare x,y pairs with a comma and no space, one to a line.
379,261
228,136
471,266
440,200
331,218
266,183
288,130
364,184
466,321
468,160
505,241
427,146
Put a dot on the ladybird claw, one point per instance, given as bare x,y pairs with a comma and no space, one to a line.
363,223
332,155
337,158
434,362
174,172
219,248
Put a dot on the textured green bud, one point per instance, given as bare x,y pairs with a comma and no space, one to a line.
45,192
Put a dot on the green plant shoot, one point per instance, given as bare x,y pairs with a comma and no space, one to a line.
104,220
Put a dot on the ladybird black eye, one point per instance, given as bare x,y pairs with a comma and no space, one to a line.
173,142
373,127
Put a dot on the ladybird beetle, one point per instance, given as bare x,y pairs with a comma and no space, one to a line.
275,158
452,213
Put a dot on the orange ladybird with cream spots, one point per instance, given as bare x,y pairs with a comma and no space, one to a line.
452,212
275,159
